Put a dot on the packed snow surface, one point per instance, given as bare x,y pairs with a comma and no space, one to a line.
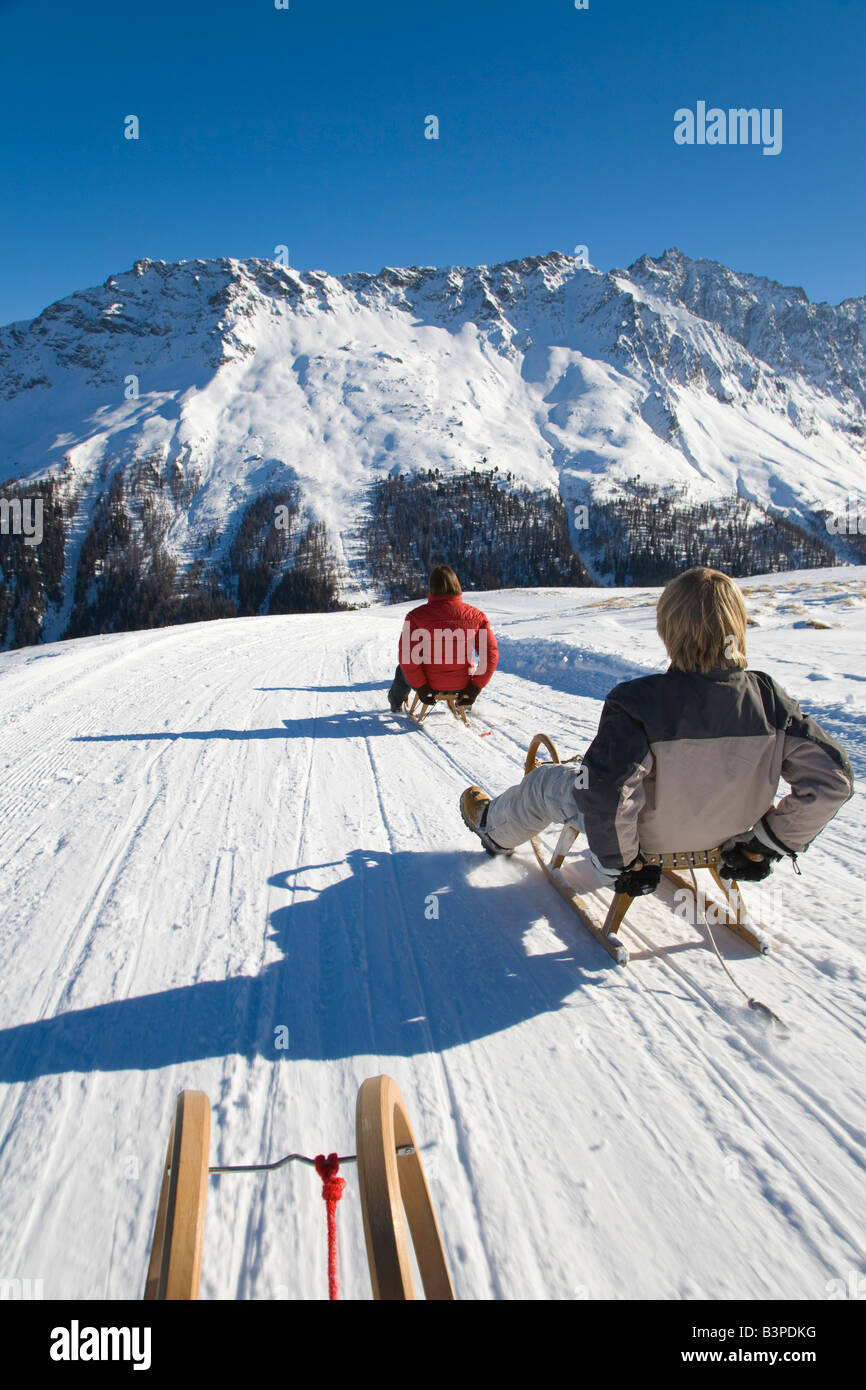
215,832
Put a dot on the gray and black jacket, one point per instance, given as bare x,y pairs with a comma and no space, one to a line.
683,761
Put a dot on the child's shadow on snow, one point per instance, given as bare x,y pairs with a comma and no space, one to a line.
366,968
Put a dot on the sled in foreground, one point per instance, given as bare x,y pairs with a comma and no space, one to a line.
450,698
393,1191
730,912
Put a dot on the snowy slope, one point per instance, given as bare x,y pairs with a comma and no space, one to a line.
212,831
251,375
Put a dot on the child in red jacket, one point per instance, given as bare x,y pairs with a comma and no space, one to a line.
445,644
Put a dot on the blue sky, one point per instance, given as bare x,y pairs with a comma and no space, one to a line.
305,127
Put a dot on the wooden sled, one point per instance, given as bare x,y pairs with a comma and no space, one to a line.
450,698
731,913
391,1177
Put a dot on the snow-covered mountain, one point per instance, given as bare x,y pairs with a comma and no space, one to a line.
172,399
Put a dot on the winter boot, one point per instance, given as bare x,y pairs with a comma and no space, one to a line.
399,691
473,808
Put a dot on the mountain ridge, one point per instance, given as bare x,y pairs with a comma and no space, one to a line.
203,385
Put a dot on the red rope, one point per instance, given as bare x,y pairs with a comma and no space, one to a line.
332,1191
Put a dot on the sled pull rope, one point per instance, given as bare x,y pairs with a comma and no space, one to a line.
775,1020
332,1191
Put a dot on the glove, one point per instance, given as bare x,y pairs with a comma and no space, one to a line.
747,860
468,695
426,695
638,878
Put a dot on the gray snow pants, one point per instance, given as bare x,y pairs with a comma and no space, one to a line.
547,795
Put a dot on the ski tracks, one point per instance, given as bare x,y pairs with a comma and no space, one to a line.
442,1110
734,1072
588,1131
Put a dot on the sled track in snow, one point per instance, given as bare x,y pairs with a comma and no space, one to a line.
845,1136
833,1008
450,1096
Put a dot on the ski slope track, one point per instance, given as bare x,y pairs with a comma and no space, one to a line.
212,832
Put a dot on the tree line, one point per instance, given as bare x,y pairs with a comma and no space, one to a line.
495,533
126,577
31,576
653,533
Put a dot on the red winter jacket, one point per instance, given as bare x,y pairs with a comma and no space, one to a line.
445,643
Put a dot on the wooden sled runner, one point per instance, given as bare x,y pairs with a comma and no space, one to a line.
174,1271
450,698
391,1178
730,912
389,1182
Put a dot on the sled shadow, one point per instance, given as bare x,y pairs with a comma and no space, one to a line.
329,689
347,724
367,968
351,723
